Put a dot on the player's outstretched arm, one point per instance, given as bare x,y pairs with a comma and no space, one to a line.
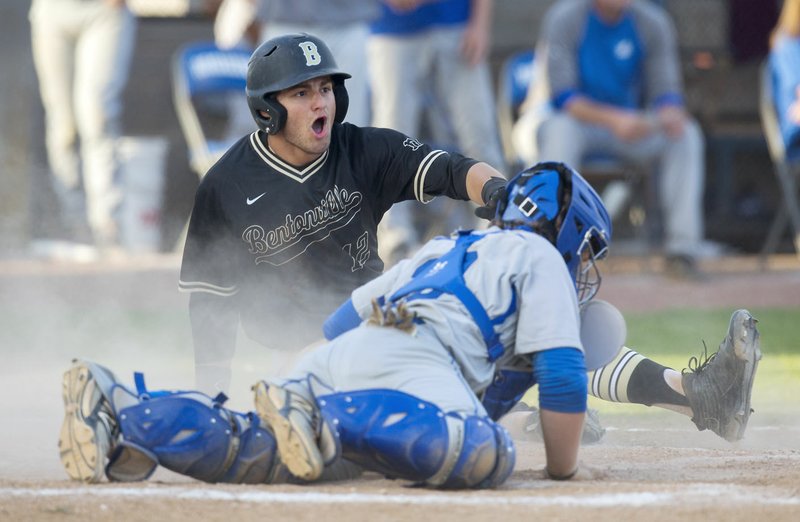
562,438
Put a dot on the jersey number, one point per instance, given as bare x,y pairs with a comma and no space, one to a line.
311,53
362,251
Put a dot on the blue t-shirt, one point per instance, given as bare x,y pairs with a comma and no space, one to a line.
610,61
427,15
629,63
785,64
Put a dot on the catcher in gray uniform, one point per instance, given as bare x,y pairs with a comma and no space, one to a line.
398,389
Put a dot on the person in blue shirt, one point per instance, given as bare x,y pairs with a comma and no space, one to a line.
608,82
784,61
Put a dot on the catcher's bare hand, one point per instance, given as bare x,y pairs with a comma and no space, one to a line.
584,472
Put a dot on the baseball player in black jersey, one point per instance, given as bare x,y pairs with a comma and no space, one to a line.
284,224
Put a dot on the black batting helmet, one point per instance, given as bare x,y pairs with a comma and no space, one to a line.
286,61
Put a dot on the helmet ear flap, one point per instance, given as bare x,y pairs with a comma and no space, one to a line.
276,116
342,100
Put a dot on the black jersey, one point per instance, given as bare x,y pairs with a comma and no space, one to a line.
289,244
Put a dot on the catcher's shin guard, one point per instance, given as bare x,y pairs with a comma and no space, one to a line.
486,458
718,389
401,436
192,434
89,428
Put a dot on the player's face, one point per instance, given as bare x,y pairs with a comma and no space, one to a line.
310,109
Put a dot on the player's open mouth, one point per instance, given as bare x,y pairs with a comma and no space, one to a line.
319,125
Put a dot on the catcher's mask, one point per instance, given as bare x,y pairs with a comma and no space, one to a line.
554,201
286,61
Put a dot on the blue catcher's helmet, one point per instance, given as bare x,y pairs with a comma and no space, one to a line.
556,202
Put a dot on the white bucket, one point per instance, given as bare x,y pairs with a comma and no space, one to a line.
143,160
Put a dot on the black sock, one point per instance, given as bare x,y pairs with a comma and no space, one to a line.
647,386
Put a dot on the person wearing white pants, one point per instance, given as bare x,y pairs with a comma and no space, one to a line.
82,52
429,64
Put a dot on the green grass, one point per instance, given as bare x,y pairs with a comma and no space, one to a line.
682,332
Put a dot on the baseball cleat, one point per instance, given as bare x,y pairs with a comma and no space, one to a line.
291,419
718,389
89,425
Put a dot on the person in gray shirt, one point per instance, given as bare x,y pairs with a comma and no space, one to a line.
607,81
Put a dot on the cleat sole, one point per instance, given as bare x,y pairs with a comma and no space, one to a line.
747,348
296,444
82,448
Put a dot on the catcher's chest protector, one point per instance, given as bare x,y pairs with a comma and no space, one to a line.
446,275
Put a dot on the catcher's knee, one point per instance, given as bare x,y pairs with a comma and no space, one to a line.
402,436
193,435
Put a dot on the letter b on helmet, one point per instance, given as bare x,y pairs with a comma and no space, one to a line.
311,52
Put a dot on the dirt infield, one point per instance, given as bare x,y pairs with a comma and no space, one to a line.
644,477
651,464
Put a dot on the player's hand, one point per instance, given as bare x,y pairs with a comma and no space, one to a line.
672,119
476,42
494,194
631,126
583,473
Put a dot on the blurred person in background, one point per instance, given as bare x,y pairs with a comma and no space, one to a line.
342,24
784,61
608,82
427,59
236,26
82,52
